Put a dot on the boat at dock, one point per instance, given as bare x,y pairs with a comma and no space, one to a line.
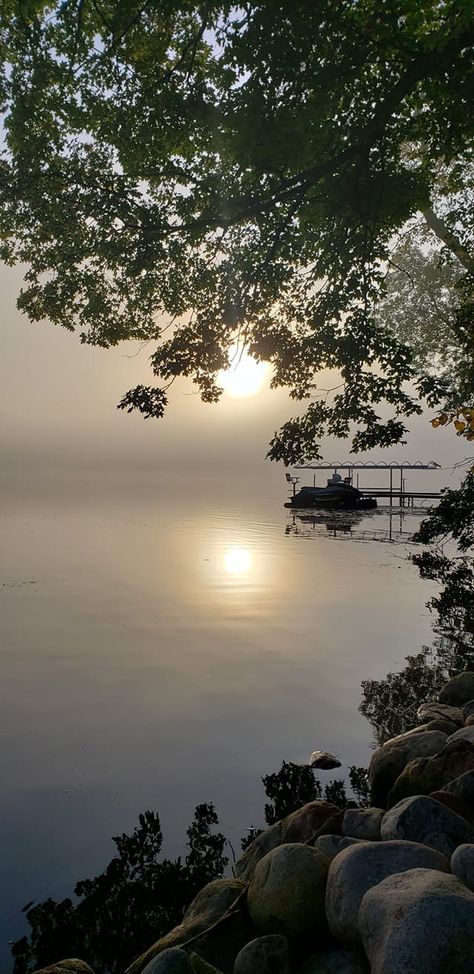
338,494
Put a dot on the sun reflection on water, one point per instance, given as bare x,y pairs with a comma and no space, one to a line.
237,560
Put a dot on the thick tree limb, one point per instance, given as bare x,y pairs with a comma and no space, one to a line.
449,239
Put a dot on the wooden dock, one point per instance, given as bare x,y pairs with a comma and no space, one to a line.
402,498
397,495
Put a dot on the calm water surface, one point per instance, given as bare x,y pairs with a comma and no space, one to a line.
161,651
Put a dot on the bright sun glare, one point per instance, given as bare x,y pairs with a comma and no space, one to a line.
245,376
237,561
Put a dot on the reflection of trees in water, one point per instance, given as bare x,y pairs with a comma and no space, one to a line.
391,704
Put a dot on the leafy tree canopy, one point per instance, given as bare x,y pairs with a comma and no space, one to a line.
242,173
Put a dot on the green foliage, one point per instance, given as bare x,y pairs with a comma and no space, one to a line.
452,519
127,907
240,174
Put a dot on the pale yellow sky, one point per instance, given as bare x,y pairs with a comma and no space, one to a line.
58,410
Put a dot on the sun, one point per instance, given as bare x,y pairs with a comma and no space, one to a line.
245,376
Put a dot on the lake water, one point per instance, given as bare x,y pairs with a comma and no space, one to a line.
160,650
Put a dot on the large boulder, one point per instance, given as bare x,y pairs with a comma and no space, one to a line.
424,775
362,823
468,709
332,845
69,966
357,869
218,945
463,733
455,804
462,787
336,960
300,826
440,711
459,690
267,955
170,961
422,819
462,864
286,894
418,922
446,726
388,761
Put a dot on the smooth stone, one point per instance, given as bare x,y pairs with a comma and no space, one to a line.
469,720
446,726
267,955
418,922
464,733
336,960
422,819
455,803
388,762
69,966
363,823
462,864
300,826
361,866
424,775
462,787
211,903
332,845
459,690
402,737
286,894
468,709
442,711
201,966
324,760
170,961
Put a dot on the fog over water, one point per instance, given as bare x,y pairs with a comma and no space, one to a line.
169,632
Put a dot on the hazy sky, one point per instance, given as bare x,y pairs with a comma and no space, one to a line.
59,400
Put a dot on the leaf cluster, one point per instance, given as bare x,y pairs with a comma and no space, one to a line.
236,173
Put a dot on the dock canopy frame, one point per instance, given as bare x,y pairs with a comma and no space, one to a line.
402,494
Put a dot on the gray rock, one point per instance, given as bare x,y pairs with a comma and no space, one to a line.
286,894
462,787
402,737
468,709
388,762
423,819
386,765
332,845
357,869
297,827
425,775
324,760
418,922
462,864
464,733
442,724
210,904
171,961
267,955
69,966
440,711
201,966
459,690
363,823
337,960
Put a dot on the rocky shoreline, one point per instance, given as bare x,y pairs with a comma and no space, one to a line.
385,889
